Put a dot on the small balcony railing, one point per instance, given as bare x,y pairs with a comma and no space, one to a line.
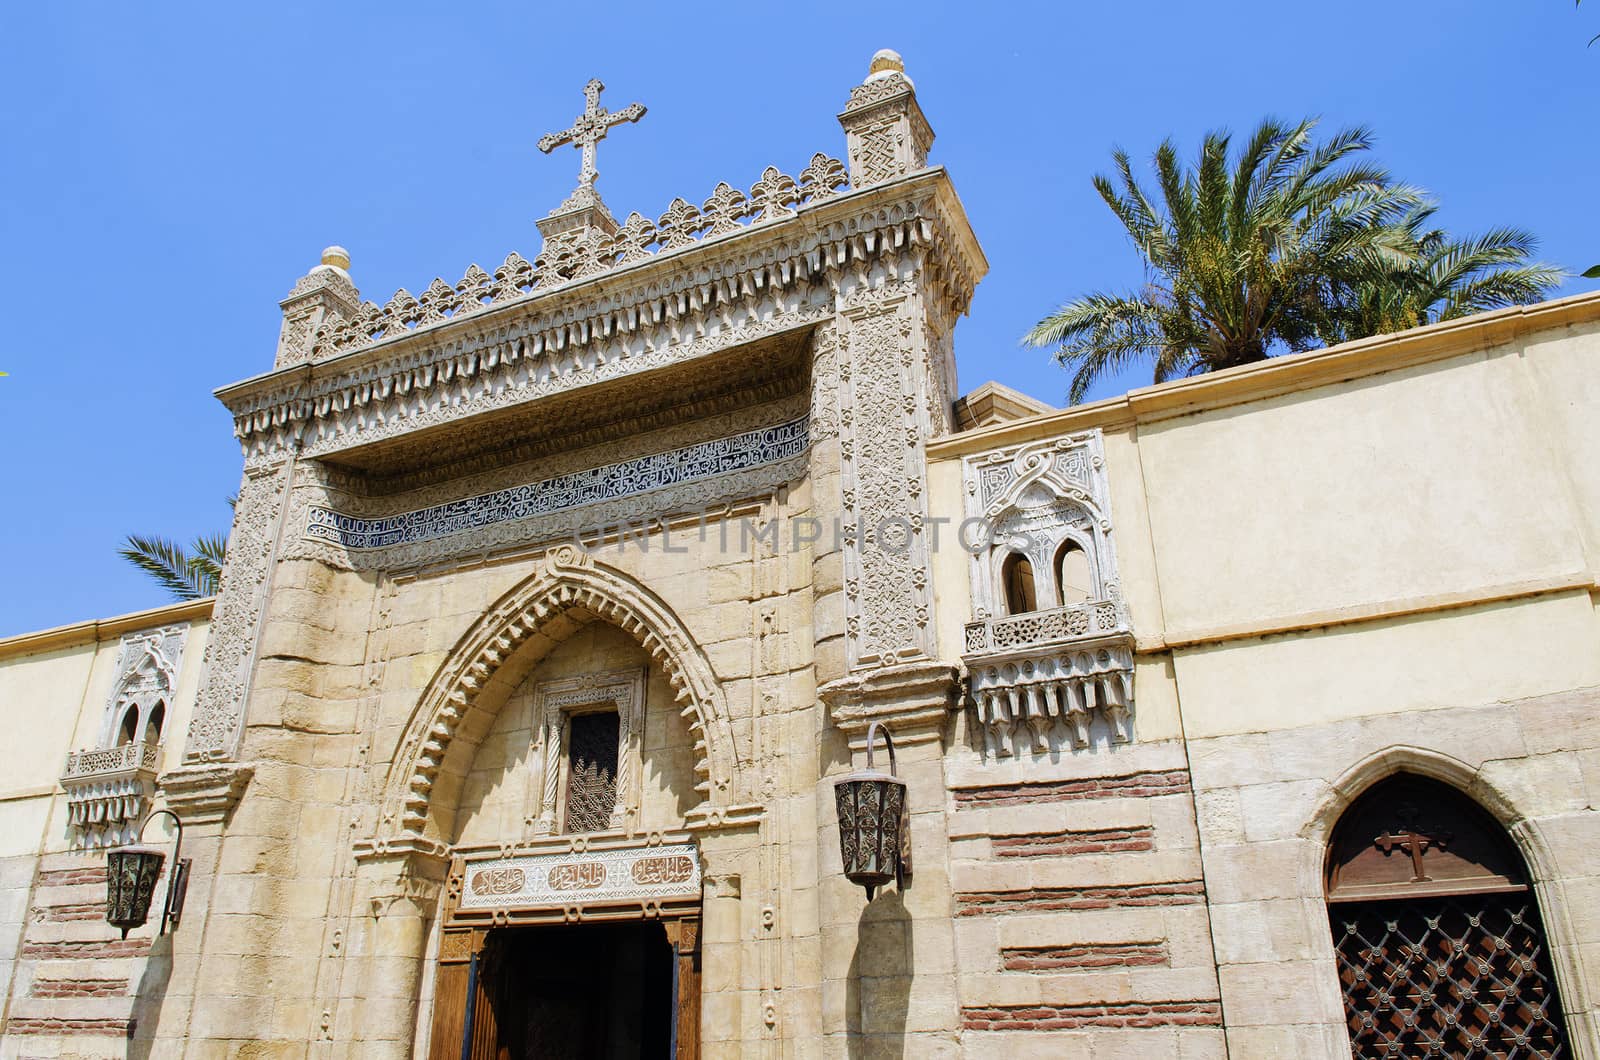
1095,618
86,765
109,790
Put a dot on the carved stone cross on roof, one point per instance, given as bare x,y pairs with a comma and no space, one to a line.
588,129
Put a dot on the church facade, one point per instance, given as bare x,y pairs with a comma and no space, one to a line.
1249,715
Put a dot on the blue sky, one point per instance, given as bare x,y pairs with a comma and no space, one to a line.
169,170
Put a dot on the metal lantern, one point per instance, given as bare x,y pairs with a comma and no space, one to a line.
131,875
874,822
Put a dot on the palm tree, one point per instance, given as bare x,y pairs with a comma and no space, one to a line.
1443,279
188,574
1238,261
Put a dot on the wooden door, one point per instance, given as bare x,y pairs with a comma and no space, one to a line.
463,1012
684,934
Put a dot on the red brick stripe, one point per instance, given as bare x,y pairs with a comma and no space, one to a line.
67,877
1136,785
53,1025
1094,841
80,987
1053,899
1069,1017
87,948
71,911
1087,956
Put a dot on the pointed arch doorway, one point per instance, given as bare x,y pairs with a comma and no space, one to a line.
1438,940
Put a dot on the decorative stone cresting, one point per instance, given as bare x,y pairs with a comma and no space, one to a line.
726,211
1041,678
566,341
573,587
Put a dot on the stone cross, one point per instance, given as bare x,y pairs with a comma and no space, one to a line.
1415,839
588,129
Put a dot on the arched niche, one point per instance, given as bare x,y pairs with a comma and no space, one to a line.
1437,933
491,661
519,784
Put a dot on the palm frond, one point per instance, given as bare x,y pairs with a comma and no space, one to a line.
172,568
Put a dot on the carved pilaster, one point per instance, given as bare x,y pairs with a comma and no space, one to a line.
886,133
324,296
218,720
883,424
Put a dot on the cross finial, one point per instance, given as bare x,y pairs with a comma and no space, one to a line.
588,129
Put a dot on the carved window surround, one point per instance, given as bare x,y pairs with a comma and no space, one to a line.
555,702
109,791
109,788
1061,676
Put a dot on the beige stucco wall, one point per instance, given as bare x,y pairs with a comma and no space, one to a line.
55,689
1363,560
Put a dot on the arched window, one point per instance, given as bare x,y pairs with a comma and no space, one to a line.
1437,935
129,730
1074,574
153,726
1016,574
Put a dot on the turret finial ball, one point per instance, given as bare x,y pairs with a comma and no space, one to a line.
886,61
337,256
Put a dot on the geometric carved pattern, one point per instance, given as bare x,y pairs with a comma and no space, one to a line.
692,463
217,723
888,616
1465,975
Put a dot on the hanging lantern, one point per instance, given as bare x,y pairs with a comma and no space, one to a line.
874,822
131,875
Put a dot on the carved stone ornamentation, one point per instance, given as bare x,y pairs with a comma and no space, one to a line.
886,132
678,467
110,788
888,607
1050,650
555,702
216,725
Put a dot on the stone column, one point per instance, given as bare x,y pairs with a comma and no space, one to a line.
397,898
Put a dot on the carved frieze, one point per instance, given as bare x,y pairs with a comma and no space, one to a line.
628,478
596,877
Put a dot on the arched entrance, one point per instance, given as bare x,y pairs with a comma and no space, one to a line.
1440,947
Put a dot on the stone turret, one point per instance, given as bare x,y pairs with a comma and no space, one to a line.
886,133
326,291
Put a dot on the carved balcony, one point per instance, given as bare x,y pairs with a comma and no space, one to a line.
1045,680
109,791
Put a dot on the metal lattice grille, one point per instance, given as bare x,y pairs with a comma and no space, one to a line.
1463,976
591,772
